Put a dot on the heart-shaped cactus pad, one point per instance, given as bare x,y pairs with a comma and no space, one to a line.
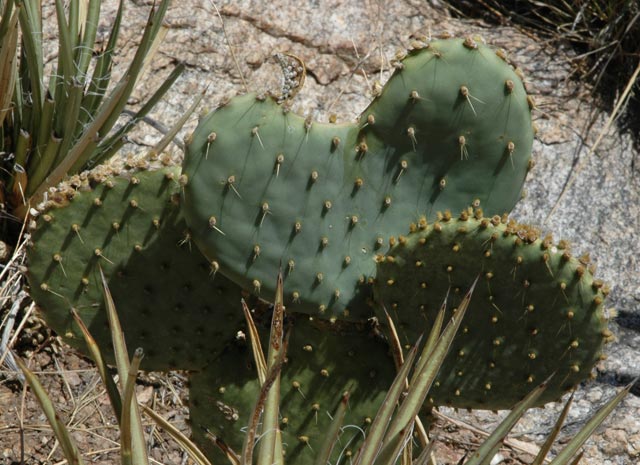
266,188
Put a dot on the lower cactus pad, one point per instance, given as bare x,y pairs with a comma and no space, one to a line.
322,363
535,310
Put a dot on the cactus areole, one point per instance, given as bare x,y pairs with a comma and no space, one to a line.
265,188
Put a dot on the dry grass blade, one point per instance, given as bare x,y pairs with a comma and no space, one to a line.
256,345
184,442
69,448
230,454
426,456
546,447
139,455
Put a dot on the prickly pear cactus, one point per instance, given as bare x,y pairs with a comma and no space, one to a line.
267,188
535,309
167,298
321,365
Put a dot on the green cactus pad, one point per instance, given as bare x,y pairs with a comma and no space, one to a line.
321,365
168,301
535,310
267,188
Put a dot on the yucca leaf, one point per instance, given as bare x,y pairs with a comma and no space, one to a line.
66,46
101,76
74,23
44,162
139,456
546,447
576,461
31,28
398,358
128,424
432,339
107,379
154,22
6,19
68,116
488,447
184,442
395,446
271,438
372,443
116,140
587,430
425,457
432,361
8,59
69,448
89,28
331,435
84,145
43,135
173,132
254,421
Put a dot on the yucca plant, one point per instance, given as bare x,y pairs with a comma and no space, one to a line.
60,121
390,435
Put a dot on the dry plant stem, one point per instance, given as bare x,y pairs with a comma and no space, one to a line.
9,322
574,174
256,345
515,444
17,332
233,54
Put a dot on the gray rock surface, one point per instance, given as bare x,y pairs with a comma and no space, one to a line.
345,45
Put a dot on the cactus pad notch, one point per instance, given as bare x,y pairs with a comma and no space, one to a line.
451,128
167,298
322,363
536,309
